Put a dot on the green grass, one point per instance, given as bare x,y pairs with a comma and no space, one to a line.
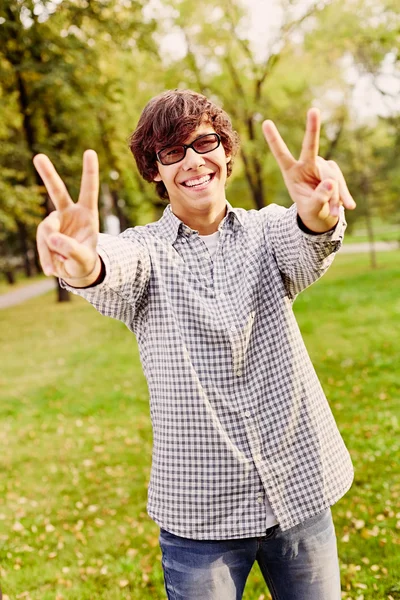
389,236
75,442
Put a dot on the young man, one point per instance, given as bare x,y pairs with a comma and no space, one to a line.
247,458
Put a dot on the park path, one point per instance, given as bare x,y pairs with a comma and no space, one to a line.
41,287
365,247
24,293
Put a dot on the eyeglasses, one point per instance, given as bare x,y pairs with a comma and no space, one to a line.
203,144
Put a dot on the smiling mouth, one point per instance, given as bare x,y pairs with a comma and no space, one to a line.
198,181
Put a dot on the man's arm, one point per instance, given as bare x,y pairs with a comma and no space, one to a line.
124,277
100,277
71,248
304,238
67,238
301,255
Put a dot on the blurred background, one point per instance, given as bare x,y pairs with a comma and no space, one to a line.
75,431
75,74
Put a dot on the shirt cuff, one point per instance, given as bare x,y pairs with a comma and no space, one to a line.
104,273
99,279
335,234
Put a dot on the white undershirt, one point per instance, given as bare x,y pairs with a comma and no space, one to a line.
211,241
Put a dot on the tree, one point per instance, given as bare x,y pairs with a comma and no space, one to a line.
51,56
299,67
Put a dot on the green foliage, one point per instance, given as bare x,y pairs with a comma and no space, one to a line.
20,203
60,96
306,62
77,74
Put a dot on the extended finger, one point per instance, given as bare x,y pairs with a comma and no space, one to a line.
53,182
278,147
310,146
90,180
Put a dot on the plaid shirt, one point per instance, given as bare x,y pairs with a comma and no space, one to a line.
237,410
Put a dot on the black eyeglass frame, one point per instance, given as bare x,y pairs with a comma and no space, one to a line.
186,146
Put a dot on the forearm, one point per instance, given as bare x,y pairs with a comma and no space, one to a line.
302,255
314,231
122,277
318,226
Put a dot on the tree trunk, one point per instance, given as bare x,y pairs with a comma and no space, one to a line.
255,181
258,192
36,259
368,220
371,239
10,276
123,221
112,164
29,131
62,294
24,245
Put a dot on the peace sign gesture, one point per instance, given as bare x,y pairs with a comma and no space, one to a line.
67,238
316,186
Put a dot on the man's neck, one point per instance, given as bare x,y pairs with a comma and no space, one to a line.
205,224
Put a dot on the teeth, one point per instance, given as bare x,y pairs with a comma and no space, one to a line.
200,181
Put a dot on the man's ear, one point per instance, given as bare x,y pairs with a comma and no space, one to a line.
228,159
157,176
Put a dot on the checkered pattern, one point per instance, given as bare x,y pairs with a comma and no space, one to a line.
237,409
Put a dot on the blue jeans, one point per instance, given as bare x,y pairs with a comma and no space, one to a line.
300,563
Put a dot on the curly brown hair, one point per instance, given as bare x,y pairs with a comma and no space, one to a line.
170,118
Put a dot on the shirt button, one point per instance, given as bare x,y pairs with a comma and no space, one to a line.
222,296
247,414
257,457
232,328
260,499
239,372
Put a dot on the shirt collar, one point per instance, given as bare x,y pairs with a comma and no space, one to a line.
171,226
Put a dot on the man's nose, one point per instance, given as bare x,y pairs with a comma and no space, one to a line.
192,160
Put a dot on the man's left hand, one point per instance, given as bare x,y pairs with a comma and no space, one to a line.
316,185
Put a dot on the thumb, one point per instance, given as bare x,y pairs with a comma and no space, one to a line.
69,248
325,192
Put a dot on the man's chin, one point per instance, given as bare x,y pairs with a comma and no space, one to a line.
205,205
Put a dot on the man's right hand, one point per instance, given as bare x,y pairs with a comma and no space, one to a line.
67,238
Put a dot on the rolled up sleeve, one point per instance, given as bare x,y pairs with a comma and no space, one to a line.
123,289
302,257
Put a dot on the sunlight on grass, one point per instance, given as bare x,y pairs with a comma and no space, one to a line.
75,442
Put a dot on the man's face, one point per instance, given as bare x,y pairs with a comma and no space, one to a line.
196,184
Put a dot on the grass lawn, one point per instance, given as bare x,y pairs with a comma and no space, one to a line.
75,442
390,236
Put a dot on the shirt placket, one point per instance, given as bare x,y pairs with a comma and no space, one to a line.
225,308
196,254
239,339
